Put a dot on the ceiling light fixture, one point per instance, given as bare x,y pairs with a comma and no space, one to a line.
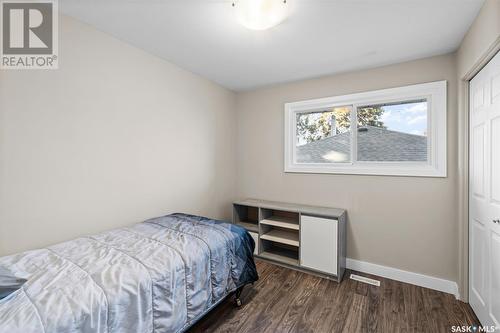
261,14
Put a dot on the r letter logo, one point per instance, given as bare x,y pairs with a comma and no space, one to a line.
29,35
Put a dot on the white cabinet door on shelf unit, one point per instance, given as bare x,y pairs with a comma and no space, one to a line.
255,237
318,243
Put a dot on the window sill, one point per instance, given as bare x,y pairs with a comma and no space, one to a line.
369,169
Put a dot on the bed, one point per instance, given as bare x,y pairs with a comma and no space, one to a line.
161,275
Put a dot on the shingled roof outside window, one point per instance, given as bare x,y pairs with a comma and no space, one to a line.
374,144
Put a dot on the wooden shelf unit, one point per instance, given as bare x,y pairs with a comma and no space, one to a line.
306,238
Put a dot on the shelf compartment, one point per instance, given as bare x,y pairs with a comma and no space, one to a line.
246,217
282,236
280,218
282,222
253,227
280,253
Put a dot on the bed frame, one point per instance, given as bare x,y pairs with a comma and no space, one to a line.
237,302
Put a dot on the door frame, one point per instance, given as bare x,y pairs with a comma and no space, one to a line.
463,167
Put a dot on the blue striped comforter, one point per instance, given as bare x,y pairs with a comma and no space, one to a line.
160,275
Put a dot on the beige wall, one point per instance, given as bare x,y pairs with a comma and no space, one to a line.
402,222
479,44
112,137
481,36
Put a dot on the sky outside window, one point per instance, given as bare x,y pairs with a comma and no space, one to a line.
407,118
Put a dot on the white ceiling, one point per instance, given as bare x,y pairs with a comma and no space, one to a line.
320,37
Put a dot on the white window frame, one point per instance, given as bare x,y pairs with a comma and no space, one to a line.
433,92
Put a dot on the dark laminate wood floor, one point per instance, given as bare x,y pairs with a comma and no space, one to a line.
285,300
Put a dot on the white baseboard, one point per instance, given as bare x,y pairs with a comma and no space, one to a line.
417,279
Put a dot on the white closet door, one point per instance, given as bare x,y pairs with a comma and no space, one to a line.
484,194
318,244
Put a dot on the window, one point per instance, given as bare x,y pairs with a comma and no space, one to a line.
399,131
315,132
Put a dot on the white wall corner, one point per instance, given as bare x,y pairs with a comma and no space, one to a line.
417,279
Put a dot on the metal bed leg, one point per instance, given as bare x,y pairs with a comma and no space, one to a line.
237,295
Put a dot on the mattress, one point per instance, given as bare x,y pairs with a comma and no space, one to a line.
161,275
